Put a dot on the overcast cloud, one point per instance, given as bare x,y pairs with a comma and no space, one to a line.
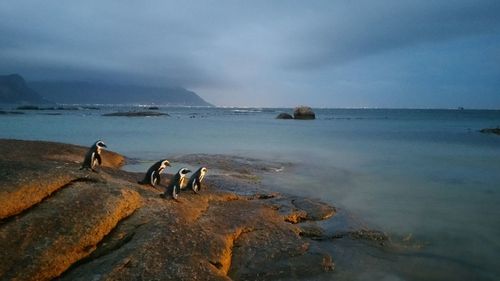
267,53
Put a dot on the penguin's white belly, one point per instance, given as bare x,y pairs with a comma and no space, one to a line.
183,183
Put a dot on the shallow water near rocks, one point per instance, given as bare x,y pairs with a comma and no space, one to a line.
424,174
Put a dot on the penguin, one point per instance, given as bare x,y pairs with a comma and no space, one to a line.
93,156
195,180
175,184
152,176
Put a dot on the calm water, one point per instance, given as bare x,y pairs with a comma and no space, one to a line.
427,173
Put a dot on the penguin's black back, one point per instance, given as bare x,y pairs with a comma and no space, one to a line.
153,168
194,177
87,161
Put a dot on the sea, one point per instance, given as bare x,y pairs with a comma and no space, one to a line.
425,174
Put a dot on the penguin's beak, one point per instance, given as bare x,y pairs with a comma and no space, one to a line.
188,171
104,145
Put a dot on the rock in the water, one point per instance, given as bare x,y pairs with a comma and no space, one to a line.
136,114
311,229
2,112
315,210
304,113
284,116
495,131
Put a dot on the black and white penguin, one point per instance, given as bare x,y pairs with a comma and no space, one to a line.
176,183
93,156
152,176
195,180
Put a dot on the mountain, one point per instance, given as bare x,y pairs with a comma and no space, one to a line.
13,89
77,92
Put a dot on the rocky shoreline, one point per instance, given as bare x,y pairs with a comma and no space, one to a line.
58,222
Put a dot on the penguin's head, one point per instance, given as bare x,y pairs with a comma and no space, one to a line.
203,171
164,163
183,172
100,144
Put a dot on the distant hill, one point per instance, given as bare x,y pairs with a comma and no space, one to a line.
13,89
76,92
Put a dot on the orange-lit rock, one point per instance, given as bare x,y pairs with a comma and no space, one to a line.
79,225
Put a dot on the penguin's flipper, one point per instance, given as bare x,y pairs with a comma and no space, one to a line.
152,180
157,178
195,187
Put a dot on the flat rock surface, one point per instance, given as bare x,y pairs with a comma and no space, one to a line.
31,171
232,164
44,242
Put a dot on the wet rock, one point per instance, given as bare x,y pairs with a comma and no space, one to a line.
370,235
263,196
284,116
311,230
233,164
2,112
315,209
495,131
136,114
303,113
296,216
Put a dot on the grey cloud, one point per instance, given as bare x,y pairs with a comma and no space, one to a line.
237,52
358,30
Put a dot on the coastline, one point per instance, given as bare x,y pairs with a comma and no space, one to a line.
104,226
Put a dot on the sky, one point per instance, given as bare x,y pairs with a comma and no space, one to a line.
331,53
